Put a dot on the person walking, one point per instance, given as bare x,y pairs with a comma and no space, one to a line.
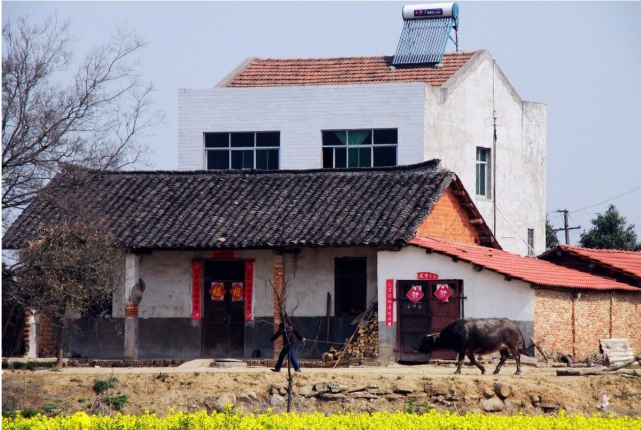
291,337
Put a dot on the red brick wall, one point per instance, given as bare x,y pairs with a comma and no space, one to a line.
597,315
449,222
279,290
47,347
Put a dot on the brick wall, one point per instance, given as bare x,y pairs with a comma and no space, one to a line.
449,222
47,344
279,291
564,324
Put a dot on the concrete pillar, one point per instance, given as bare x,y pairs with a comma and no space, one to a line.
132,269
31,334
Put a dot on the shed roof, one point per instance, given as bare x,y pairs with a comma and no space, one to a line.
627,262
537,272
243,209
342,71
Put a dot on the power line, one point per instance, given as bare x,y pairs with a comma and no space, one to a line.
635,189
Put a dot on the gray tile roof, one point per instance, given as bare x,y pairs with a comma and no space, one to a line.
243,209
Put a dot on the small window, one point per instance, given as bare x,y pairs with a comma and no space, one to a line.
530,242
359,148
482,172
242,150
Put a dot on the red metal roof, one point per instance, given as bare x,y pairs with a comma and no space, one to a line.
532,270
343,71
624,261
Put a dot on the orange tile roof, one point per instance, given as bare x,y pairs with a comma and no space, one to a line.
343,71
625,261
538,272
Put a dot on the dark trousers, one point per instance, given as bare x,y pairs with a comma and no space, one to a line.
292,357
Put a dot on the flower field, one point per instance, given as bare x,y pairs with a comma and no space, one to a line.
233,420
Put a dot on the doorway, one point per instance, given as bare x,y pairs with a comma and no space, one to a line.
422,308
224,309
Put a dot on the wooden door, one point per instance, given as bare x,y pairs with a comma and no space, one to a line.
444,312
413,318
224,310
420,311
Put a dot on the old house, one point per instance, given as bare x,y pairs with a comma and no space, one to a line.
211,247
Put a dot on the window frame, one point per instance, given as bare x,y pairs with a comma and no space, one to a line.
483,167
342,153
530,242
235,148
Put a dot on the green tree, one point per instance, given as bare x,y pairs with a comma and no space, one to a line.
610,231
551,240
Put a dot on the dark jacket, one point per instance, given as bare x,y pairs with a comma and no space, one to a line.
291,336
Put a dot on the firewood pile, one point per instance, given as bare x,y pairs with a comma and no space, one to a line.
362,344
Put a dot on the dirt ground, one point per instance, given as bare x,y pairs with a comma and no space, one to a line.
197,385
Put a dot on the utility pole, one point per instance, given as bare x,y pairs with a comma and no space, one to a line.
566,226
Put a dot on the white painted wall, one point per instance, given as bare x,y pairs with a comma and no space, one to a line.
488,293
310,275
459,119
300,114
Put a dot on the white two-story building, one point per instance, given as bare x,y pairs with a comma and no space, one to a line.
363,111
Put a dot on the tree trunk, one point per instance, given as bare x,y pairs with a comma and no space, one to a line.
60,331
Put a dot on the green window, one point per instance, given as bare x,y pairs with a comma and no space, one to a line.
359,148
242,150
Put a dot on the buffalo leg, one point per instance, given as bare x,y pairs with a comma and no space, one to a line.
504,356
470,355
517,357
461,357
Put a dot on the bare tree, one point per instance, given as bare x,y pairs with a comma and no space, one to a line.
281,295
94,120
71,269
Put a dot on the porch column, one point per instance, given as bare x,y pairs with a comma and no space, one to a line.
31,334
131,308
279,298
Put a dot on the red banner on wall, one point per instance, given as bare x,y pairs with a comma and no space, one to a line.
249,289
196,287
389,303
426,276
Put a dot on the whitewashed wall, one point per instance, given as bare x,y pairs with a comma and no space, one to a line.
300,114
459,118
310,276
488,293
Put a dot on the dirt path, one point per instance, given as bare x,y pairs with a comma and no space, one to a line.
196,385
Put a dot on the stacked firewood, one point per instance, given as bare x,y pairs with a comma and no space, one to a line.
362,344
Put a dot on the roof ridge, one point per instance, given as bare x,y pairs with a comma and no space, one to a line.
349,57
434,164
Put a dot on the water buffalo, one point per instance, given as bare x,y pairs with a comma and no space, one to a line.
477,336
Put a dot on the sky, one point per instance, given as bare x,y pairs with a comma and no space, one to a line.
581,59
